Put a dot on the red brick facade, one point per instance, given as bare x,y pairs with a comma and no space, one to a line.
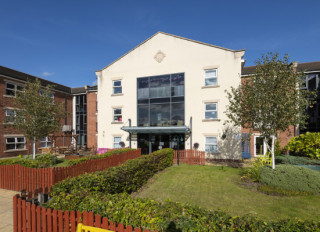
92,129
6,131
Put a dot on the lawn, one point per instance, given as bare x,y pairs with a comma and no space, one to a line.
214,188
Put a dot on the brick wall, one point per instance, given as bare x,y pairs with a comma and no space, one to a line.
7,130
92,119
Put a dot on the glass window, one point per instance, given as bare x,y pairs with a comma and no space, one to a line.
45,142
15,143
143,88
177,115
160,86
211,111
10,89
211,144
159,114
117,87
116,141
117,115
143,115
10,115
211,77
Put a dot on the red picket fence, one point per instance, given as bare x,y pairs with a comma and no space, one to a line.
16,177
29,217
190,157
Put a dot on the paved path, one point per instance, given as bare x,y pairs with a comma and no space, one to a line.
6,214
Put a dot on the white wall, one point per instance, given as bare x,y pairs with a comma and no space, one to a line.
181,56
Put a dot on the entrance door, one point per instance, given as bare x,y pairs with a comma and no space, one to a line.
260,148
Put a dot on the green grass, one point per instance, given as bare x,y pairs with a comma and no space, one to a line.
214,187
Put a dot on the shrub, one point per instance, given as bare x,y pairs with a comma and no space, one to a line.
292,178
295,160
41,161
254,170
127,177
169,216
305,145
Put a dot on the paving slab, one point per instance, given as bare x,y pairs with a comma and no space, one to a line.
6,210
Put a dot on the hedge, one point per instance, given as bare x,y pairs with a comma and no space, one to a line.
295,160
41,161
292,178
127,177
170,216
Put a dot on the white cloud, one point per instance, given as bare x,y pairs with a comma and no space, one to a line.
46,74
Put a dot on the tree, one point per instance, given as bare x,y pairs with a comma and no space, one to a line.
38,114
270,100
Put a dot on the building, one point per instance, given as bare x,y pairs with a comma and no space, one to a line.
169,91
13,143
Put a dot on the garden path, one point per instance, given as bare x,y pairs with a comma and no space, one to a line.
6,211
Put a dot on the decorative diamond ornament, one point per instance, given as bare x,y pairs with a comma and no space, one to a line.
159,56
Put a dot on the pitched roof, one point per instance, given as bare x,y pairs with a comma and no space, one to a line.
307,67
89,88
20,76
175,36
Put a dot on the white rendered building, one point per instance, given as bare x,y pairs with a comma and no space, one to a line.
170,89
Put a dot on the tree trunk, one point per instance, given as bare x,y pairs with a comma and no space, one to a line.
272,153
34,148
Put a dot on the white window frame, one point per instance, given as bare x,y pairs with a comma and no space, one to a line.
211,76
46,141
51,95
205,109
16,143
15,89
116,87
117,115
8,115
211,144
116,144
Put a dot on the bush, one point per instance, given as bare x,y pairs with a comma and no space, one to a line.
292,178
254,171
41,161
72,162
127,177
169,216
305,145
295,160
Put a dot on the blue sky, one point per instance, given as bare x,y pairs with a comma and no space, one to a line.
66,41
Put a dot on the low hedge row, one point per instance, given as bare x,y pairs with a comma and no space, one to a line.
170,216
41,161
127,177
295,160
72,162
292,178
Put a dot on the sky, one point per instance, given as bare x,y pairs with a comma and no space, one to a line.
65,41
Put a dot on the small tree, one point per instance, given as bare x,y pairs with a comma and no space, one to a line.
38,114
270,100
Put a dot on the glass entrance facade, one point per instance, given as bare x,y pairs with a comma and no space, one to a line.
160,103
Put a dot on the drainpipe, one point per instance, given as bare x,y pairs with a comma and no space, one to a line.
190,132
129,133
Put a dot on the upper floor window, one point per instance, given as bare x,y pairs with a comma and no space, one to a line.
15,143
117,115
12,89
117,87
51,95
10,115
211,111
211,77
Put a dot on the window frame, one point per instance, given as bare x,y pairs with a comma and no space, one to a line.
116,87
15,89
117,115
7,115
211,77
116,144
16,143
211,144
47,141
205,110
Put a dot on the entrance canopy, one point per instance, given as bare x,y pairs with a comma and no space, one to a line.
157,130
